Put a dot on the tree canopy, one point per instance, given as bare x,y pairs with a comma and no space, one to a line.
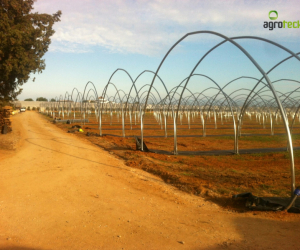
24,39
42,99
29,99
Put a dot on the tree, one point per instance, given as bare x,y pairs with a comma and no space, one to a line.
24,39
42,99
52,100
29,99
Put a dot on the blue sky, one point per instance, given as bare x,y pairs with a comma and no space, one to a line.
95,37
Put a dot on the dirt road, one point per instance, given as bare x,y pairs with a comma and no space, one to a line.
62,192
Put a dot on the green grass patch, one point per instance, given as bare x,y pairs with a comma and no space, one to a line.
223,191
187,174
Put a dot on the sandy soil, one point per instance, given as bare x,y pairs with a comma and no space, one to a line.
59,191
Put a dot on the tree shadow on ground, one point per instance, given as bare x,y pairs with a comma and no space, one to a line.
261,233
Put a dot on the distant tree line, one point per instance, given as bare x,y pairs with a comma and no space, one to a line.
39,99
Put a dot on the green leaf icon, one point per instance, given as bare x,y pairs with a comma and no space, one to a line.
273,11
